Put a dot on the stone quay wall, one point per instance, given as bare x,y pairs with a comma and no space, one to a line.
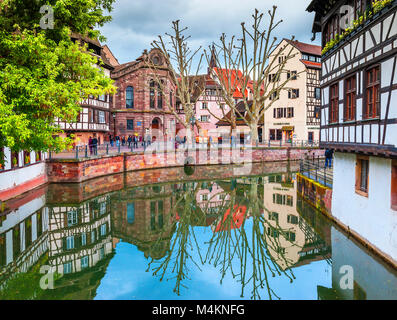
79,170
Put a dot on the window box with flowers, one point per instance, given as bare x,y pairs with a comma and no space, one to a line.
374,12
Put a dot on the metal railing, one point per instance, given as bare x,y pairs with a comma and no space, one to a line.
86,151
314,168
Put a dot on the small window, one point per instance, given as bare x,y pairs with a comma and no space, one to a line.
273,216
72,218
362,175
372,93
103,229
129,97
205,118
350,99
293,94
70,243
84,262
290,201
292,75
204,106
394,185
67,267
317,93
290,236
317,112
290,112
292,219
334,103
130,124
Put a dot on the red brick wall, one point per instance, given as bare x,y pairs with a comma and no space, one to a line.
79,170
139,77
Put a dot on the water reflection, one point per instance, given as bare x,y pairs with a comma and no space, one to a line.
252,235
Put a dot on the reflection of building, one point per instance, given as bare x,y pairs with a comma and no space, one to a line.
22,171
23,236
211,197
142,216
372,280
296,243
359,116
79,235
140,106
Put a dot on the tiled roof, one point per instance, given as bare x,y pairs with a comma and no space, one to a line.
239,122
311,64
306,48
235,79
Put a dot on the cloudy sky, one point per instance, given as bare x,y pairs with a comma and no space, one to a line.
136,23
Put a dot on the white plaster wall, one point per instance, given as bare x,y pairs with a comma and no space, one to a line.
371,217
10,179
15,217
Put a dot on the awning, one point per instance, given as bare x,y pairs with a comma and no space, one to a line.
288,128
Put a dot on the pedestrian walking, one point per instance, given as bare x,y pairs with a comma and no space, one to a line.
117,141
90,144
95,145
129,140
329,153
135,139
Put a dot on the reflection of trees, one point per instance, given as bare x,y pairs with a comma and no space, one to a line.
240,242
188,215
249,244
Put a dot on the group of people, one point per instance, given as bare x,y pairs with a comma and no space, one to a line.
131,140
93,144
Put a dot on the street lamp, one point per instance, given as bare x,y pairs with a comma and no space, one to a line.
114,124
192,122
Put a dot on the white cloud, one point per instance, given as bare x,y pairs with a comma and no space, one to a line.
137,23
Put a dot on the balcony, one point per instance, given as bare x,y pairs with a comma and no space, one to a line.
379,8
95,103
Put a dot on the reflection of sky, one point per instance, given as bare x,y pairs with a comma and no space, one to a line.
126,277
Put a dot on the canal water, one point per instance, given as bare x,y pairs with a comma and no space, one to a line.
204,234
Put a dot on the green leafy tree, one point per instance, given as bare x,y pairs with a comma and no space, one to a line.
44,74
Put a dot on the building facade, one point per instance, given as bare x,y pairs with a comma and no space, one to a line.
295,113
359,115
140,107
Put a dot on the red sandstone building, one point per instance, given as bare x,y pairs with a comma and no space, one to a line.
139,107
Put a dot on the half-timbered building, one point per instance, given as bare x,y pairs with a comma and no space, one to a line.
94,117
359,113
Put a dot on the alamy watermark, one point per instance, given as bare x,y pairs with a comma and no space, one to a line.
47,20
346,281
49,277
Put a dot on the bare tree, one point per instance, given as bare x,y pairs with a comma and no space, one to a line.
250,69
180,60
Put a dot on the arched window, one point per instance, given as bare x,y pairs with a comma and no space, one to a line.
159,97
152,96
129,97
